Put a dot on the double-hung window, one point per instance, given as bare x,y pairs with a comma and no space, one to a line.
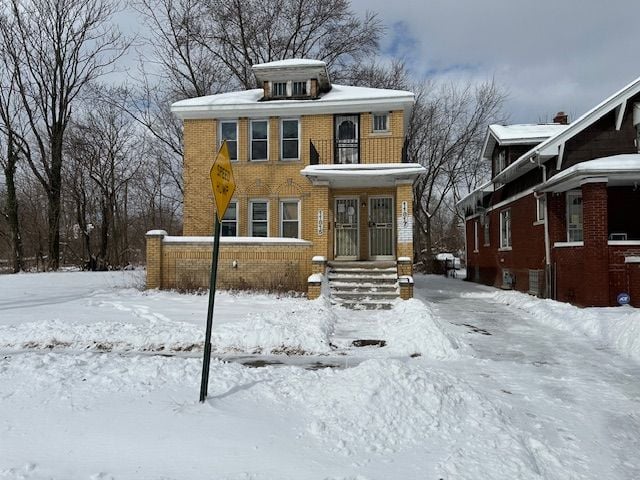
290,218
574,216
259,140
290,139
229,224
229,132
380,122
541,206
505,228
259,218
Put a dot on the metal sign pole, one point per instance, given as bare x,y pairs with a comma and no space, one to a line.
204,385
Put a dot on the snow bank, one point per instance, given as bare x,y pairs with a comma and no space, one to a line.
301,330
411,327
617,327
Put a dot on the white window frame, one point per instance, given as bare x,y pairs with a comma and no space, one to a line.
282,220
223,221
304,83
486,231
570,237
541,207
475,237
273,89
386,122
282,139
250,219
251,140
501,161
506,241
220,139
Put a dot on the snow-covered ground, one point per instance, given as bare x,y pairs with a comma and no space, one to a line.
99,380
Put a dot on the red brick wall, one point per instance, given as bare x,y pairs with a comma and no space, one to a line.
624,277
596,254
527,246
569,274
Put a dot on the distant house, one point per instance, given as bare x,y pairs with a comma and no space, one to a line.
559,218
321,176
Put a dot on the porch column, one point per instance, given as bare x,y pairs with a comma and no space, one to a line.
404,219
596,249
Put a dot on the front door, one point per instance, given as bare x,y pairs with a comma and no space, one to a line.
347,145
346,237
381,228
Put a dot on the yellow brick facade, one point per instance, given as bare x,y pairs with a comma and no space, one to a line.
265,266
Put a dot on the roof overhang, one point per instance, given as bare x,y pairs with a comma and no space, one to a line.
617,170
476,197
363,175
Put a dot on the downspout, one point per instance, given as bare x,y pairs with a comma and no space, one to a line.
547,246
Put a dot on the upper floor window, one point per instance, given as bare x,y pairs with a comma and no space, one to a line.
290,219
380,122
505,228
574,216
259,140
229,224
501,161
487,231
299,88
279,89
229,132
290,139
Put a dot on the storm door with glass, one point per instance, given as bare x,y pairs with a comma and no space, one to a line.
347,144
346,236
380,228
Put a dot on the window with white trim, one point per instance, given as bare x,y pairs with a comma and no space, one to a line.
505,228
541,206
290,139
259,218
279,89
574,216
487,231
229,132
299,89
290,218
259,139
475,236
229,223
380,122
501,161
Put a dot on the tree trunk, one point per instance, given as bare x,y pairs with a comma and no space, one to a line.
12,206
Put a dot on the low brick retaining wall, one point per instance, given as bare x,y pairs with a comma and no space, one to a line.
184,263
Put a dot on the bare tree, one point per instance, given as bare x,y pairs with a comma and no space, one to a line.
445,136
55,48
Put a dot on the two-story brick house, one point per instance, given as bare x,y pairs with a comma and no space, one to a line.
558,218
320,172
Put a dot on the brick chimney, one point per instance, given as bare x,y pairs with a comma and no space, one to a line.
561,118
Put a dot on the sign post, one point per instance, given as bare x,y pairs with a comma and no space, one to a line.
223,185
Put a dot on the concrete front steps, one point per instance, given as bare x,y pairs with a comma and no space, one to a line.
363,285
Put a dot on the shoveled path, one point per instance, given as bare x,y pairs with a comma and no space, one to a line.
585,398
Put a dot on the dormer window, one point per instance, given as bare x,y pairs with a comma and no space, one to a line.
299,89
279,89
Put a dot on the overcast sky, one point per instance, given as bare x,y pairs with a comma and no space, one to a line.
550,55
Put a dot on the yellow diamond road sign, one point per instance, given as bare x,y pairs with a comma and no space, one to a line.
222,180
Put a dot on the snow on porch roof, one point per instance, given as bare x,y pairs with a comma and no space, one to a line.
363,175
615,170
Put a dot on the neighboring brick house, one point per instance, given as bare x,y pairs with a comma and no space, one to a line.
559,218
321,174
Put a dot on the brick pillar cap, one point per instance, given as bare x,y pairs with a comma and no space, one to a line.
404,259
157,233
319,258
405,279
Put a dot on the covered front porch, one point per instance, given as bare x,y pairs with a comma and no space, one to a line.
594,231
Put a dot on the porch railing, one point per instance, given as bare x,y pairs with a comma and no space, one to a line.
366,150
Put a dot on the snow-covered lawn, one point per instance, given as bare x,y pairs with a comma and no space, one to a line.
99,380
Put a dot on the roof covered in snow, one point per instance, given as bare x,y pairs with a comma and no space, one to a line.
363,175
615,170
294,69
290,63
525,133
340,99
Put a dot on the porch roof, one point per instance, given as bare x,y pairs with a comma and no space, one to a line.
615,170
362,175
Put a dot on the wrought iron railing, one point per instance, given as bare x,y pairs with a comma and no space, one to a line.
365,150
